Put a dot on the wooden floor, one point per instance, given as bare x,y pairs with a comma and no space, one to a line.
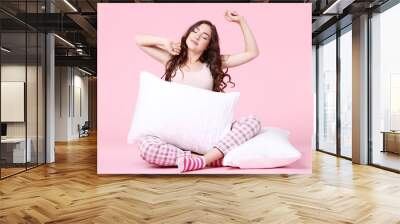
10,171
387,159
70,191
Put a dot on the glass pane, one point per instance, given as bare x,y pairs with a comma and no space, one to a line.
41,98
31,85
395,101
31,100
22,88
13,86
386,89
327,96
346,93
314,66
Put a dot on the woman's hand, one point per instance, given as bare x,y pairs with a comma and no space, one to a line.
171,47
233,16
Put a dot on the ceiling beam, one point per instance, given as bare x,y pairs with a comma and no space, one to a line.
337,7
83,61
85,25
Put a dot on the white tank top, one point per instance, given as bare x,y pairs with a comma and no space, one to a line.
200,79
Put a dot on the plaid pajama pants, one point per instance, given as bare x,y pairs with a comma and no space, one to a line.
155,151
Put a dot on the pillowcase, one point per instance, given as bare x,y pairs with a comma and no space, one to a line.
269,149
188,117
279,131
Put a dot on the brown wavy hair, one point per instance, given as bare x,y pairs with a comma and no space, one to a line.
211,56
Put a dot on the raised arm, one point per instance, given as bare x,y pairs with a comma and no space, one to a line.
251,49
158,48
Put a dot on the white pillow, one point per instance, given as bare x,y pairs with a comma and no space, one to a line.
188,117
282,132
269,149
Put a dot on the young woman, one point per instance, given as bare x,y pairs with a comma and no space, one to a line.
196,61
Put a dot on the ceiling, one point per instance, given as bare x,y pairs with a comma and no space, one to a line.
76,22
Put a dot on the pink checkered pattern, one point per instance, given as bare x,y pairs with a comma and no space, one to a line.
156,151
241,131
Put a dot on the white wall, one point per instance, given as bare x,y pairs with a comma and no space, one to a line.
79,117
70,83
33,127
15,72
62,81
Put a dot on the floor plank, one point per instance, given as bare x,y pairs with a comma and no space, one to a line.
70,191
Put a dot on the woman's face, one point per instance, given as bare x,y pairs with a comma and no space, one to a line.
199,38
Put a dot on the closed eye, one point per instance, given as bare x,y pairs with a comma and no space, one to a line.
205,36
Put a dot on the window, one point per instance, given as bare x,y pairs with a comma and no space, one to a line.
327,95
22,66
385,88
346,92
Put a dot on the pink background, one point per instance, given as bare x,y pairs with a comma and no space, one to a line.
276,86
